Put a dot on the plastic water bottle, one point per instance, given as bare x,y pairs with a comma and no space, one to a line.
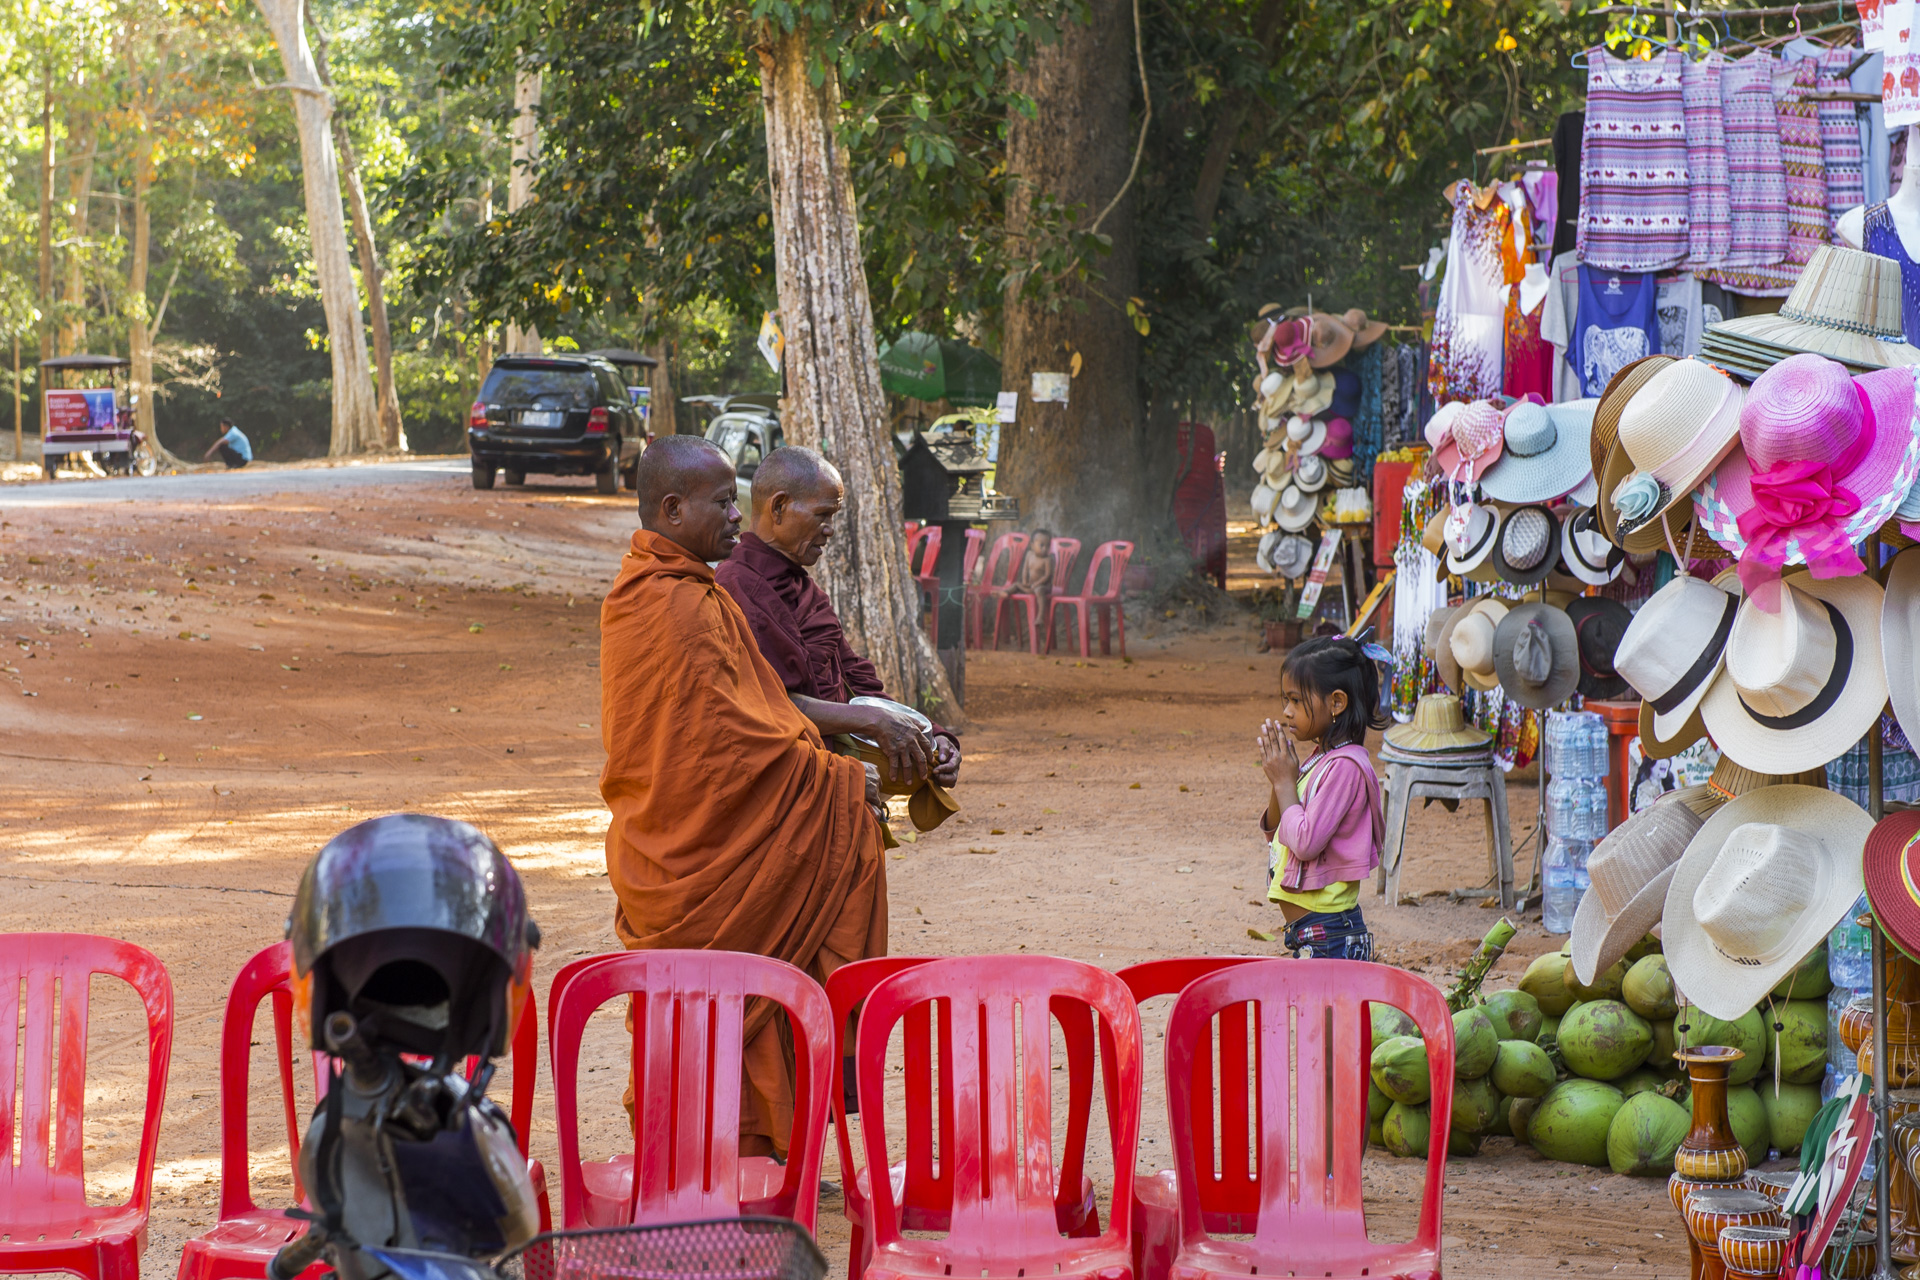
1559,813
1840,1062
1554,740
1850,951
1578,854
1593,811
1562,887
1596,745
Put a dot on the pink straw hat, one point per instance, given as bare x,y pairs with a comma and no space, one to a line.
1474,443
1825,459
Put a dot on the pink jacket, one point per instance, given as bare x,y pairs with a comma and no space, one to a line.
1335,834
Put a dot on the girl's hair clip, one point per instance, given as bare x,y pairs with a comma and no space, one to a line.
1377,653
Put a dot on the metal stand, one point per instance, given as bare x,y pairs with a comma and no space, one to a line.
1883,1167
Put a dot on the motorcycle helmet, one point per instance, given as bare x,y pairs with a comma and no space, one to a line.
418,927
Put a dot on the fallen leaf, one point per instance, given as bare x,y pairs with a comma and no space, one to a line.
194,716
1183,786
476,626
1183,871
1134,787
1260,935
978,849
997,831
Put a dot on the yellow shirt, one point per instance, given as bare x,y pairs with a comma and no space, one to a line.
1334,898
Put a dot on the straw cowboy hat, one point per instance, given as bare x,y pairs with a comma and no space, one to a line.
1671,652
1598,624
1825,459
1528,546
1803,678
1584,550
1536,655
1438,728
1474,441
1674,431
1892,873
1466,645
1629,871
1545,452
1845,306
1295,508
1471,532
1761,883
1899,634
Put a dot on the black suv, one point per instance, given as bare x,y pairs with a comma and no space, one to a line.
559,415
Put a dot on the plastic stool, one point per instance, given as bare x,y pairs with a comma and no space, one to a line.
1623,726
1452,784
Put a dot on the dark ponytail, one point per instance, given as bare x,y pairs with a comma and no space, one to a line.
1325,663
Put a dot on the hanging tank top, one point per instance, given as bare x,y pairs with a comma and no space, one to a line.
1883,238
1616,324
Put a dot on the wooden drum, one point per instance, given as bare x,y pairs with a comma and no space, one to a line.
1753,1253
1857,1256
1709,1213
1903,1187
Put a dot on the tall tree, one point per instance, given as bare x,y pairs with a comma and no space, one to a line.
356,419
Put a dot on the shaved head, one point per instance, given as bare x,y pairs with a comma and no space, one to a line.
795,470
668,465
686,490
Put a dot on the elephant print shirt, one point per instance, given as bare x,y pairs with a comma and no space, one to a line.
1616,324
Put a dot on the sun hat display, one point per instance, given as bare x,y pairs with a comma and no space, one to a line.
1306,434
1803,678
1845,306
1825,459
1598,624
1295,508
1291,556
1338,441
1473,443
1466,645
1760,884
1629,873
1310,473
1654,747
1439,428
1899,634
1621,388
1673,433
1584,550
1471,531
1528,546
1438,727
1545,452
1331,339
1892,873
1672,650
1536,655
1434,536
1430,641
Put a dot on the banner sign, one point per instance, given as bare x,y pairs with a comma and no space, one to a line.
73,413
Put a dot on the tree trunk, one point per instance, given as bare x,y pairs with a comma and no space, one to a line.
46,212
393,434
833,401
84,146
356,419
662,409
139,318
1075,467
1227,126
525,154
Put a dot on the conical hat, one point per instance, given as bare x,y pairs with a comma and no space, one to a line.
1437,726
1845,306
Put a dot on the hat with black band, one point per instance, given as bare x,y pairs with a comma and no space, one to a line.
1672,651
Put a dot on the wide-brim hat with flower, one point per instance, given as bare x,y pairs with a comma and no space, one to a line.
1673,433
1825,459
1475,439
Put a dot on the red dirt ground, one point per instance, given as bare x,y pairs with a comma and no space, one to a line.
219,686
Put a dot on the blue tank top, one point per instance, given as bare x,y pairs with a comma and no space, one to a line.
1883,239
1615,325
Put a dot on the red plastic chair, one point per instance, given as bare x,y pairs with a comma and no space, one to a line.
1226,1200
688,1016
1309,1219
912,527
1005,1217
46,1223
970,557
922,1185
1111,556
1007,550
1065,552
923,554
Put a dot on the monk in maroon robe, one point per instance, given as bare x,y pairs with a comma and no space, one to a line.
796,495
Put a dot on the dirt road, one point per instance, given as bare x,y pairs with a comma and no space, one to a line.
207,681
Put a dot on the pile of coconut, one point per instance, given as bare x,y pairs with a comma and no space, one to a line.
1586,1074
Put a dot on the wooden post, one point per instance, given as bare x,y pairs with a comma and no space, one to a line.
19,431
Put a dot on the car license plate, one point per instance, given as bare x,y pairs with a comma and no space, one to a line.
542,418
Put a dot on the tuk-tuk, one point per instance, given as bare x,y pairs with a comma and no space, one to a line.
90,412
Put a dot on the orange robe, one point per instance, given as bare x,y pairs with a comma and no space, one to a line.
734,828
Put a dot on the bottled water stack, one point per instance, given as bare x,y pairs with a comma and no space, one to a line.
1576,744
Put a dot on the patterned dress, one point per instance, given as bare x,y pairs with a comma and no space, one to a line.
1469,327
1709,208
1808,222
1840,135
1633,164
1529,357
1756,184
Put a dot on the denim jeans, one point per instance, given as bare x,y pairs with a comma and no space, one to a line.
1330,935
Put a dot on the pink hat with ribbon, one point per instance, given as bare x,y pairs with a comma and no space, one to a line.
1825,459
1339,441
1478,435
1291,340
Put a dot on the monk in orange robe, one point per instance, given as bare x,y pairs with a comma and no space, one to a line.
734,828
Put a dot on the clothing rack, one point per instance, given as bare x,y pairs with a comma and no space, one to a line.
1515,146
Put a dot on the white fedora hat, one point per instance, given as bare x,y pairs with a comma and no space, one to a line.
1585,551
1759,886
1899,633
1466,646
1295,508
1630,872
1262,501
1803,679
1306,434
1310,473
1472,531
1672,650
1673,433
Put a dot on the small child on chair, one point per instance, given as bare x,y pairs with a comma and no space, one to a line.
1323,816
1036,570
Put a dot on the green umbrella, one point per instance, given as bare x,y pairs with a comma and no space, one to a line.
929,368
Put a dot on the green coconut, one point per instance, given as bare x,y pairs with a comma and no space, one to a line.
1546,981
1405,1130
1662,1059
1474,1044
1389,1022
1788,1112
1519,1115
1644,1134
1572,1121
1801,1044
1515,1015
1647,946
1476,1104
1502,1127
1522,1070
1375,1134
1749,1119
1549,1032
1399,1068
1462,1144
1745,1033
1640,1080
1605,985
1648,989
1808,979
1377,1104
1603,1040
